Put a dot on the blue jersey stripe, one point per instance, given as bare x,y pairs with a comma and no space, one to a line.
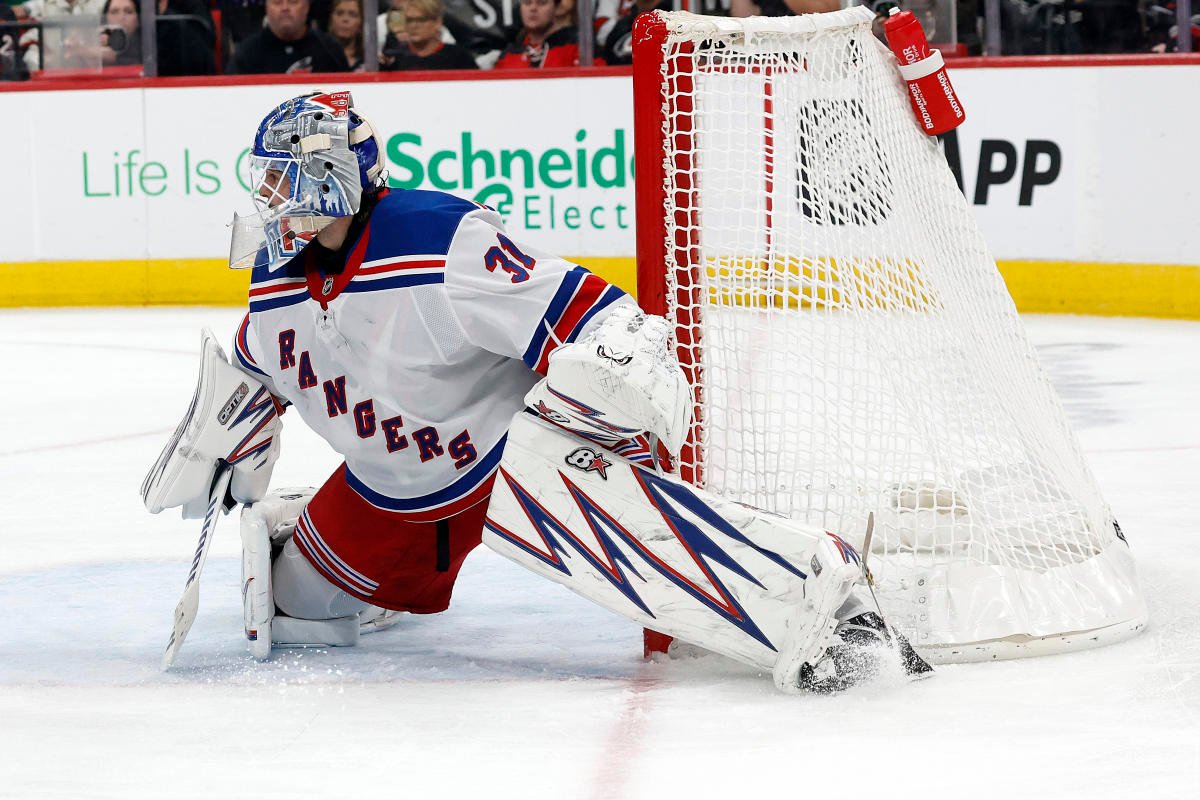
398,282
415,222
460,488
245,363
278,302
562,298
611,295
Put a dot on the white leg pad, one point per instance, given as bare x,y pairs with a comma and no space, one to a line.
266,527
757,587
294,632
809,631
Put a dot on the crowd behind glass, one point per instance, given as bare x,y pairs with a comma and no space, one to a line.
80,38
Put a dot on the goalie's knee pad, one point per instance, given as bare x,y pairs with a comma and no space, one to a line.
314,611
303,592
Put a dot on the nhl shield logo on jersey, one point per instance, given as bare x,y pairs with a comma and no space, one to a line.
587,459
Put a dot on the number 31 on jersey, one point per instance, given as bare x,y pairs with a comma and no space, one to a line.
508,257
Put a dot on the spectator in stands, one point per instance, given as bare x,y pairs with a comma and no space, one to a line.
780,8
1162,32
121,34
12,67
186,38
564,14
240,19
346,27
607,14
618,45
393,39
288,45
425,49
53,12
390,26
119,43
538,44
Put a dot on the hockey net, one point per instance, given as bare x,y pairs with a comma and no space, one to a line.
852,345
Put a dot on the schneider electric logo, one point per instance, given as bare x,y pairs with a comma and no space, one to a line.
538,188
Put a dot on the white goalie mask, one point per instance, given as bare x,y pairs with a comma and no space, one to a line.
312,158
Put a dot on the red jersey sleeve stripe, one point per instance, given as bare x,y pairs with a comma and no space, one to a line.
243,346
276,288
401,267
593,293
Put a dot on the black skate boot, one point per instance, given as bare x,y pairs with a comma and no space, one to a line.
863,648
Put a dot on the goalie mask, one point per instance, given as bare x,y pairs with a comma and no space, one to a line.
312,158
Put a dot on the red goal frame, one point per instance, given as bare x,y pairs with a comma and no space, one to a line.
654,252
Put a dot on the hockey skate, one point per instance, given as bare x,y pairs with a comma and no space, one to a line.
266,528
863,649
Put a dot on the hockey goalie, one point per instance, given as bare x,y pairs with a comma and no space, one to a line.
479,390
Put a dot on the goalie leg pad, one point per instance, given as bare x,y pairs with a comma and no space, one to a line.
753,586
809,633
268,572
265,527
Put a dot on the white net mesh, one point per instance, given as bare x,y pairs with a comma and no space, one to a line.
856,350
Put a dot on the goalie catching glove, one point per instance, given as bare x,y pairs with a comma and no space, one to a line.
621,379
233,419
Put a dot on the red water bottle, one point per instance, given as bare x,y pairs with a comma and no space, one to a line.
929,90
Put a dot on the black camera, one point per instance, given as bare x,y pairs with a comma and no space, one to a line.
118,40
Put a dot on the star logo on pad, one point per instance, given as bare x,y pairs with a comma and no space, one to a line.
587,459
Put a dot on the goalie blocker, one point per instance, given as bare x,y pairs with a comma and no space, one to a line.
756,587
232,419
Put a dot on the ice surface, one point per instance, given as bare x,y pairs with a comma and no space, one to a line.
522,690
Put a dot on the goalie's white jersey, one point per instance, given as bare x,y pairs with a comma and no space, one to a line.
412,361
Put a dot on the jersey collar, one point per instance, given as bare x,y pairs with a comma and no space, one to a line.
324,288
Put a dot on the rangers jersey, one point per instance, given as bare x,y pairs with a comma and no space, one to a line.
412,360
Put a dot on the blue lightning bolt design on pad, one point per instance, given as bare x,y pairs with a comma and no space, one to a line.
610,562
678,507
662,493
699,547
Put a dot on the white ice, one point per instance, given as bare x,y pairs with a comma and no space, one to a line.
522,690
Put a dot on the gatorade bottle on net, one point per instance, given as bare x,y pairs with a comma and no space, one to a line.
933,100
